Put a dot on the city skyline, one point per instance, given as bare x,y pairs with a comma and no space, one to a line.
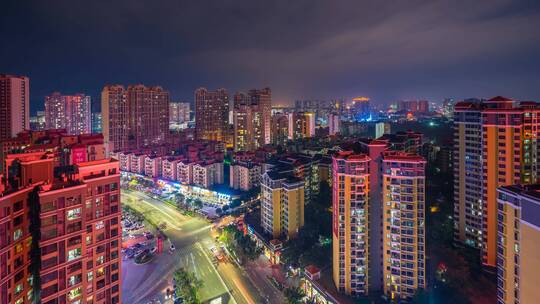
301,51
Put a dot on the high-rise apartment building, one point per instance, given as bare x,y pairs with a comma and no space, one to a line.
518,253
507,135
468,174
135,117
211,114
404,269
334,124
252,119
374,248
282,204
351,242
114,114
14,105
60,230
69,112
301,125
280,129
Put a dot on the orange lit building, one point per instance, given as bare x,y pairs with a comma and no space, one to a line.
301,125
518,254
507,133
377,245
403,224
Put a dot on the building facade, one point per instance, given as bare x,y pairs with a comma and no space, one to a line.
374,248
518,255
14,105
135,117
244,175
509,155
301,125
60,230
282,204
404,270
211,114
69,112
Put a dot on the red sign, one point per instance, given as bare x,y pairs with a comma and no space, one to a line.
78,155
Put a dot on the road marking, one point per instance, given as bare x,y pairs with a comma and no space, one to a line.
219,276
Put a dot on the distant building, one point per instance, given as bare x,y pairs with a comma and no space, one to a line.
37,123
135,117
518,252
70,112
301,125
334,124
280,129
97,123
211,114
252,119
179,112
14,105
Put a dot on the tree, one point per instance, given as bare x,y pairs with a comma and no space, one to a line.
187,286
241,244
294,295
197,204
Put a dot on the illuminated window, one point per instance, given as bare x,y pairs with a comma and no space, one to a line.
74,293
18,289
90,276
74,254
17,234
74,214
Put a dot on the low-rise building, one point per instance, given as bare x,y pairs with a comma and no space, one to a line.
152,166
244,175
207,174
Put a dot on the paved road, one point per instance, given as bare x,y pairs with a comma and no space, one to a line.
192,239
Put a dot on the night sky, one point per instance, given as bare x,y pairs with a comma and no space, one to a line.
302,49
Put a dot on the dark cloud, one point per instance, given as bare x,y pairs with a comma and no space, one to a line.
302,49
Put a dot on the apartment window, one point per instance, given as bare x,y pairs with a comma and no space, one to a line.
74,293
74,254
17,234
74,214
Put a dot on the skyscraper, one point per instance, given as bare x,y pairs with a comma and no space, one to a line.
301,125
403,225
134,117
70,112
350,223
377,246
114,115
252,119
518,234
508,140
211,114
334,124
14,105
